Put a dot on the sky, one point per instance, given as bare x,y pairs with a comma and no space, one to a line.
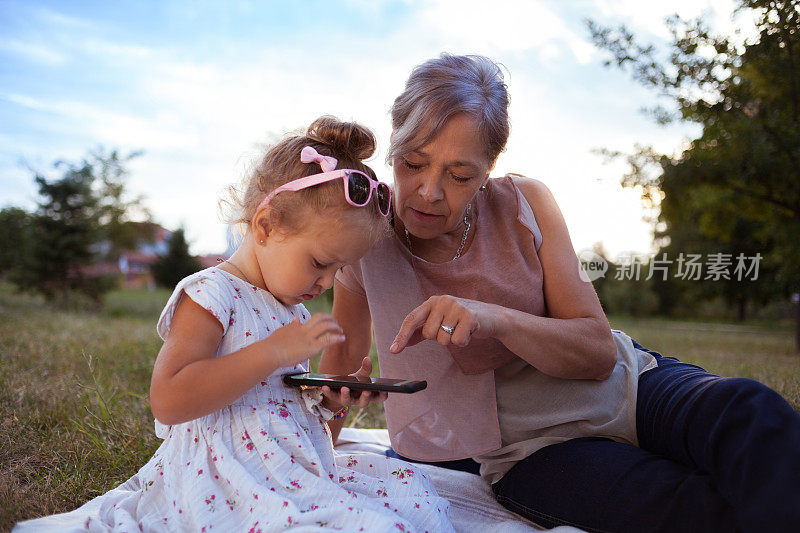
201,87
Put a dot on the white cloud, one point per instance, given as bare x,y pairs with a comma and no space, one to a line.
204,117
501,26
35,52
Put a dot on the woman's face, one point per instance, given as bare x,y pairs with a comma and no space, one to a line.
434,183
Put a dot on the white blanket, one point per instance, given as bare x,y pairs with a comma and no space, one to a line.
472,503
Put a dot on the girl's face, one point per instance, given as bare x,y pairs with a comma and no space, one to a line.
434,183
300,266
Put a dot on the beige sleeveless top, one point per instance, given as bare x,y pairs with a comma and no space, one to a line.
483,401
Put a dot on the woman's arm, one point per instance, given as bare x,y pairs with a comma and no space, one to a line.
189,382
573,342
351,311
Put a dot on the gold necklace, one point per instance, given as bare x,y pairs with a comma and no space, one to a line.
238,270
467,224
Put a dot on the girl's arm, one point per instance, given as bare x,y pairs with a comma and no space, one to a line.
189,382
574,341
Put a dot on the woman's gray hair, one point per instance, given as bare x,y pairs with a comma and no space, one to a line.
444,87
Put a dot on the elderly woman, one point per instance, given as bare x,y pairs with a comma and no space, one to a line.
477,291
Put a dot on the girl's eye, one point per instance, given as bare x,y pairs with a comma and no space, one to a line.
318,265
410,165
460,179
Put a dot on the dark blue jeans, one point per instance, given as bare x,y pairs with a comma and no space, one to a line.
715,454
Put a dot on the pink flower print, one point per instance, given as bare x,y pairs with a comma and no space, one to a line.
199,472
400,526
283,412
263,433
416,506
285,504
210,502
313,507
351,462
296,484
402,473
249,446
382,493
247,333
231,503
253,529
257,311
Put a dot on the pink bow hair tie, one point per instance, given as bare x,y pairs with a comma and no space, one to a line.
309,155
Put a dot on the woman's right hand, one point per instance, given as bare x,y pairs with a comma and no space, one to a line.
296,342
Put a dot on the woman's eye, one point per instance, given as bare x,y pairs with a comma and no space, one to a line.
460,179
318,265
411,165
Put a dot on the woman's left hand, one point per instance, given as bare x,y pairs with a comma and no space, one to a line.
336,399
468,318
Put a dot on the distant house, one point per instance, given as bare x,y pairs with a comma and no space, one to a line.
133,266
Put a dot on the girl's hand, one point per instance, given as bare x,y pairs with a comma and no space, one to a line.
468,318
296,342
335,400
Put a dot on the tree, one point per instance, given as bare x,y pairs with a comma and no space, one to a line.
15,240
65,226
81,217
737,187
176,264
125,222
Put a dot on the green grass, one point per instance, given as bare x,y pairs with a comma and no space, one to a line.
763,352
74,413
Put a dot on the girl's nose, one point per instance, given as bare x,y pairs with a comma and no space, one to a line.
326,281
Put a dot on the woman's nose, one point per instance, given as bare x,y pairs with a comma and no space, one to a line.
431,188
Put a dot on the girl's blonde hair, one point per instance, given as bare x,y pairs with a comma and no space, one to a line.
444,87
349,142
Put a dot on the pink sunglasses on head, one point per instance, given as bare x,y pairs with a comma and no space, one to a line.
358,186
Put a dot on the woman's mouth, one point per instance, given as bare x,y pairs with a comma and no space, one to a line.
423,216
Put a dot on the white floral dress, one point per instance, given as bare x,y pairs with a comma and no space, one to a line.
264,463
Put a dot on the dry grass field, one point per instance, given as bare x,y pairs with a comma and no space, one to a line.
74,415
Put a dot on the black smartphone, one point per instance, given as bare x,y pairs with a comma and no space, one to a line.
312,379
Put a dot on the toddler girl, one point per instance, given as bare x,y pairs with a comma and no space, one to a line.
242,451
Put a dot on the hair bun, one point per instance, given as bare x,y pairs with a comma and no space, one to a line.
348,138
